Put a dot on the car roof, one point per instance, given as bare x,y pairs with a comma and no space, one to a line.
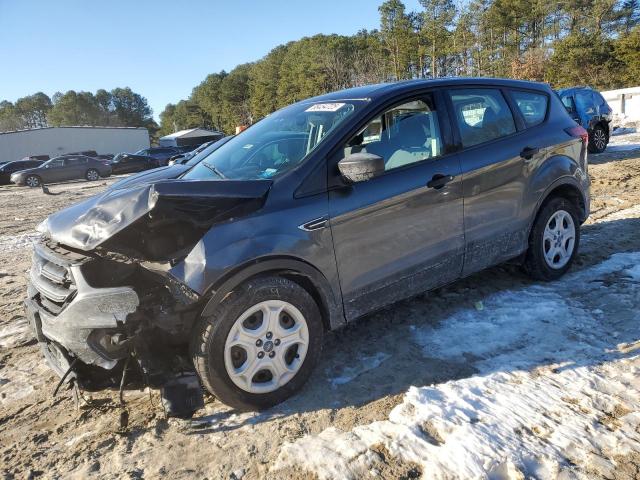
373,92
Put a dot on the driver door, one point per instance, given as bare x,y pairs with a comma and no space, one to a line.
401,233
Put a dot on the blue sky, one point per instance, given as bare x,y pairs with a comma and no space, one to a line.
161,49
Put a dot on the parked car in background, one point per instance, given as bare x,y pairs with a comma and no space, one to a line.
131,163
590,110
7,169
170,171
322,212
162,154
60,169
86,153
185,156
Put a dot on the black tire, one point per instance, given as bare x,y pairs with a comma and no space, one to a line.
92,175
33,181
535,264
598,140
210,335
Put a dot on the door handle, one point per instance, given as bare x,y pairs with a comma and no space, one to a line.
439,180
528,152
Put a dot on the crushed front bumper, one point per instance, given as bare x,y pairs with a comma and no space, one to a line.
69,317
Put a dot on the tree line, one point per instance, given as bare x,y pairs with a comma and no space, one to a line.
120,107
563,42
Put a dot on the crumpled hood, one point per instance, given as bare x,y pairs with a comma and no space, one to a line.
88,224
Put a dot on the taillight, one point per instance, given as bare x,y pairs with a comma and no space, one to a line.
578,132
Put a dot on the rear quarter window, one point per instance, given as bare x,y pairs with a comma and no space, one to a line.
532,106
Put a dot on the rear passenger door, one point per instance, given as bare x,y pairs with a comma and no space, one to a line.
74,167
492,156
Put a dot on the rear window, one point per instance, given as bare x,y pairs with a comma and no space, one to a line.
532,106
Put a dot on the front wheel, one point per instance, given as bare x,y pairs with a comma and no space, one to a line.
92,175
261,344
32,181
597,140
554,240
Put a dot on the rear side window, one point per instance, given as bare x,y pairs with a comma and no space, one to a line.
532,106
75,161
482,115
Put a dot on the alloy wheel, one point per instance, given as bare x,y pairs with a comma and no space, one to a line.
32,181
266,346
599,139
559,239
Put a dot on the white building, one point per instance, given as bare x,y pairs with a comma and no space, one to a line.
54,141
625,103
192,136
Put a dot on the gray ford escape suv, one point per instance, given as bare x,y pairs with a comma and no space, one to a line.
320,213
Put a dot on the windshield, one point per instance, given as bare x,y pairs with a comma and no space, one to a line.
275,144
207,151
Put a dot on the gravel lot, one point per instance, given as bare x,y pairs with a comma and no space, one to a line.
359,414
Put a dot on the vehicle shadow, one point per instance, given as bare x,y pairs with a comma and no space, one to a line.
379,356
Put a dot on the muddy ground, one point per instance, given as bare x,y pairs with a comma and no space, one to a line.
364,372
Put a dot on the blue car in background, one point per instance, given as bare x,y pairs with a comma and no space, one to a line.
590,110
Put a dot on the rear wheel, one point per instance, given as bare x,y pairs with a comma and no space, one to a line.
261,344
92,175
554,240
32,181
598,140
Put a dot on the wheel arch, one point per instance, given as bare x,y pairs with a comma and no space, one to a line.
568,188
296,270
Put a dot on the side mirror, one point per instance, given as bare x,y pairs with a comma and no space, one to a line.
360,167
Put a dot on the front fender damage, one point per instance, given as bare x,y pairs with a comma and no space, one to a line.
100,291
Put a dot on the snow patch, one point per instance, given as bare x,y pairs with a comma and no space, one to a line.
557,388
631,212
365,364
626,140
623,131
10,243
14,334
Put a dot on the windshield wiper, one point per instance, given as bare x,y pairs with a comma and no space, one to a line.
215,170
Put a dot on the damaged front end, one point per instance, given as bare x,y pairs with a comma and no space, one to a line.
100,291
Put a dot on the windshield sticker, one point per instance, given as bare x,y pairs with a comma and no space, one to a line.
269,172
325,107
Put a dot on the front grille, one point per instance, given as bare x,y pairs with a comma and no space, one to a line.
51,275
